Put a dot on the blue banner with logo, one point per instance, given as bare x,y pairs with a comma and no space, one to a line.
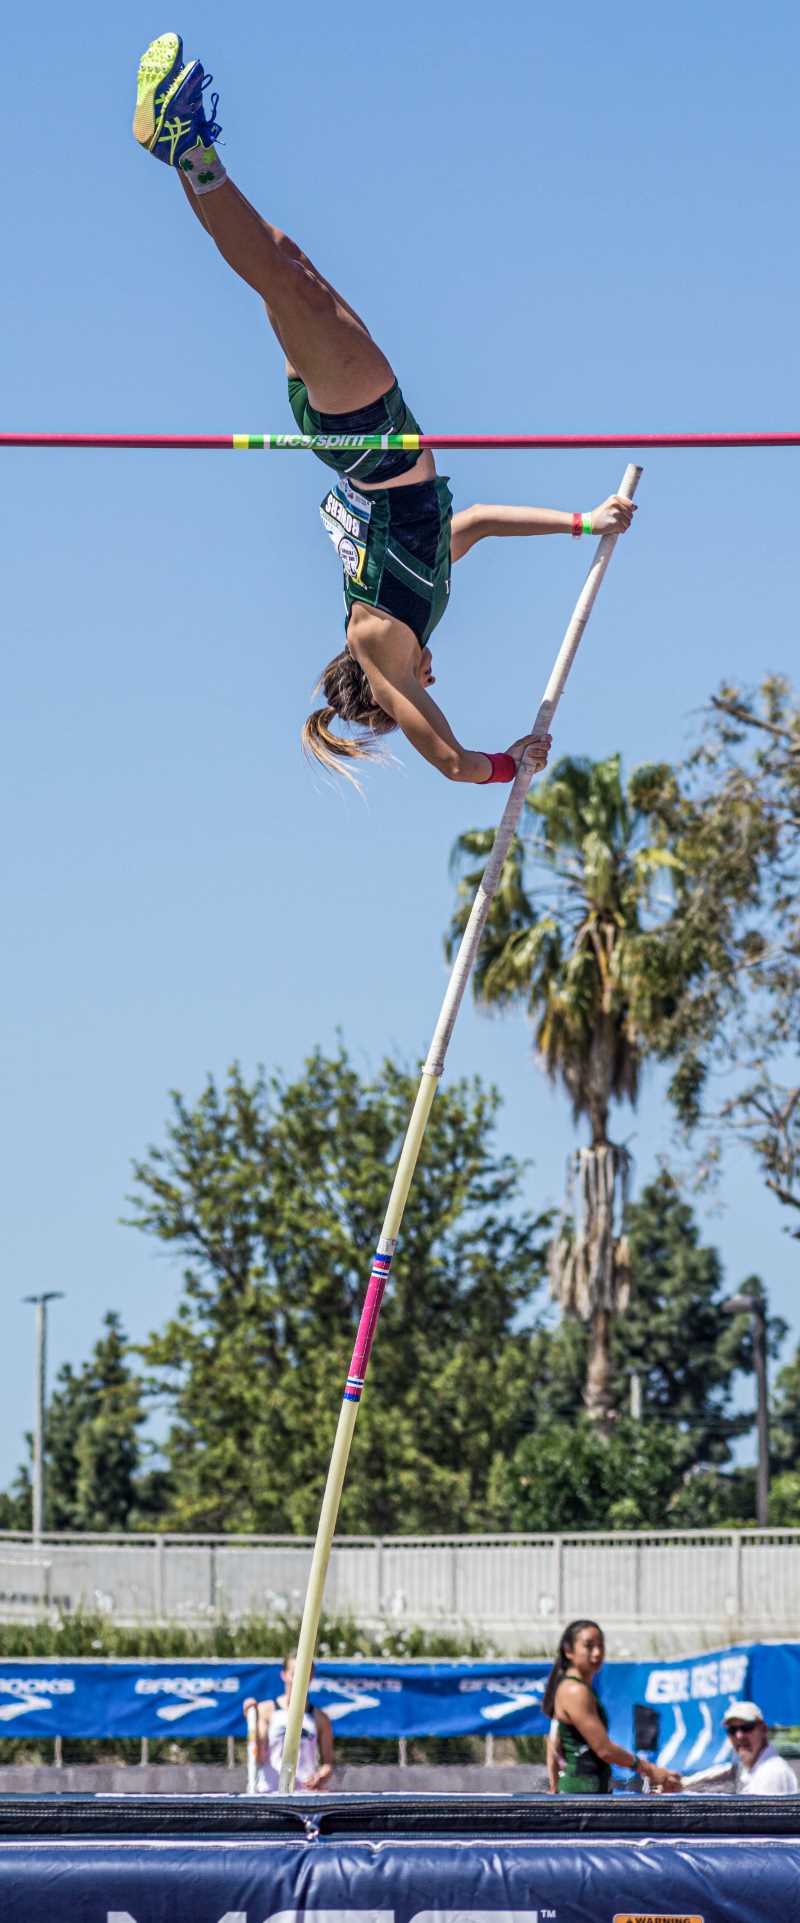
775,1681
201,1698
689,1697
610,1880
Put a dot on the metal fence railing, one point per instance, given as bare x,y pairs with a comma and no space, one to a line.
716,1584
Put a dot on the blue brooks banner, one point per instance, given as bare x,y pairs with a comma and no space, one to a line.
689,1695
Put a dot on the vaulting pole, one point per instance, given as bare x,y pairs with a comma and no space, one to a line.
400,443
434,1065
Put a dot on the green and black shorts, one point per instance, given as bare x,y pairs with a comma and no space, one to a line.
393,543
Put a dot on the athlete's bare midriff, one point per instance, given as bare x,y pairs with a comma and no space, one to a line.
424,469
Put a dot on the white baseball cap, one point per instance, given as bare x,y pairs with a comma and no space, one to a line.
744,1713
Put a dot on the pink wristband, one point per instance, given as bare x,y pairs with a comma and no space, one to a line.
504,768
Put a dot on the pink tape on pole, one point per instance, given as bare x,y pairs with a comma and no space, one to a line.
381,1268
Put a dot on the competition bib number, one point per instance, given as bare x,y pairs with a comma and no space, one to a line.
346,517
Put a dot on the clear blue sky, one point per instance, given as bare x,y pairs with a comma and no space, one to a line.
554,219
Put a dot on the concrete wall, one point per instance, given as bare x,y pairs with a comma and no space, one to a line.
655,1594
205,1779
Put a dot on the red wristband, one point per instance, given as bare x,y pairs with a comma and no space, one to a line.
577,523
504,768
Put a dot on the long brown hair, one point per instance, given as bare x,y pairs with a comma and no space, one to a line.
561,1664
349,698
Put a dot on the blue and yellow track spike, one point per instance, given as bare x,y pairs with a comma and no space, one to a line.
161,70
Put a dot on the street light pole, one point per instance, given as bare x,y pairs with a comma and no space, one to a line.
753,1305
40,1405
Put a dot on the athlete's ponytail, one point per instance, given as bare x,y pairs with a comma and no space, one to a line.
562,1662
349,698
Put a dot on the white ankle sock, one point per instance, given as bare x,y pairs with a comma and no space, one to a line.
203,169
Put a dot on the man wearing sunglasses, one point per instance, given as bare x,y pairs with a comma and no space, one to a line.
756,1769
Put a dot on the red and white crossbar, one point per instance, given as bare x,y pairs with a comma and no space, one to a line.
401,443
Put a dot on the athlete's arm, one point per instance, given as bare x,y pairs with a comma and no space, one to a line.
264,1718
576,1704
422,722
553,1761
399,677
721,1775
325,1742
477,523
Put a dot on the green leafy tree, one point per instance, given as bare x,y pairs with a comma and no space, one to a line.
93,1452
785,1417
16,1503
784,1435
569,1477
672,1467
93,1449
784,1500
272,1192
736,826
675,1336
573,938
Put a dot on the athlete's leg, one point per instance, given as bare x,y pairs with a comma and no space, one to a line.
321,335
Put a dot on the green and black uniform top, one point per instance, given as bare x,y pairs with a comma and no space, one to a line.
584,1774
393,543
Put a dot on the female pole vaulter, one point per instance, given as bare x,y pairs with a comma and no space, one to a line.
388,513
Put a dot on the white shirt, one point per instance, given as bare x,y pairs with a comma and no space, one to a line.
269,1774
770,1775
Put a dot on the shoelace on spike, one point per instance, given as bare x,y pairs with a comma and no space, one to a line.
212,128
212,124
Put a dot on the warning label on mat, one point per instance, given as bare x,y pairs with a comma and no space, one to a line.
653,1916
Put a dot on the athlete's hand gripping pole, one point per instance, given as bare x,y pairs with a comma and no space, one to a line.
434,1065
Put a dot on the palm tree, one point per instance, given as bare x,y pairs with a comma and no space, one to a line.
587,963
